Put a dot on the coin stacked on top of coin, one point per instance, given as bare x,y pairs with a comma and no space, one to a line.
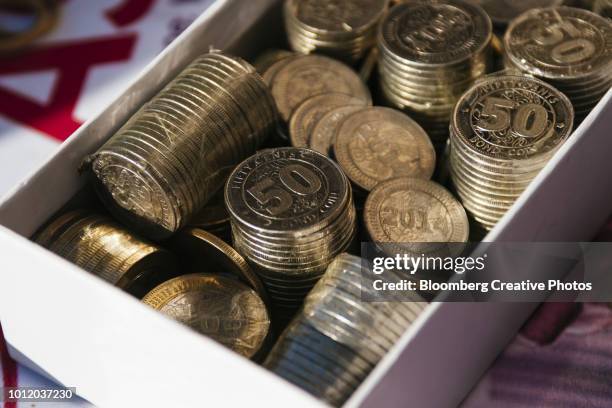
343,29
503,131
337,338
567,47
101,246
430,53
168,160
291,213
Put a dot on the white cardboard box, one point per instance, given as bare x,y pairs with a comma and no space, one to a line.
117,352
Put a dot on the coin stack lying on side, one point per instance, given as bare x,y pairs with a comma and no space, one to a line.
377,144
167,161
344,29
337,338
569,48
430,53
503,131
101,246
291,213
294,79
219,307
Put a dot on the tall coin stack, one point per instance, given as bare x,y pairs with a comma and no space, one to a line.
101,246
336,340
344,29
291,213
503,131
165,163
430,53
567,47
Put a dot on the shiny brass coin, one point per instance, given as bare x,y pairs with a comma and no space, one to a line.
407,210
219,307
378,144
99,245
308,113
306,76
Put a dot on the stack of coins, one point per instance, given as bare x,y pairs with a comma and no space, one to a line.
291,213
430,53
344,29
307,115
337,339
377,144
503,131
567,47
168,160
295,79
219,307
99,245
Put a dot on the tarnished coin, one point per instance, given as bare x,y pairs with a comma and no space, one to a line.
323,135
377,144
405,210
461,29
310,75
307,115
512,118
503,11
560,42
219,307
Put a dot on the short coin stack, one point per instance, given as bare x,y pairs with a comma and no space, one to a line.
430,53
291,213
337,338
567,47
101,246
168,160
344,29
503,131
222,308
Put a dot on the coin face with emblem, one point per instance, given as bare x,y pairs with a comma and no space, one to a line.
219,307
512,117
376,144
309,75
405,210
567,47
503,132
291,213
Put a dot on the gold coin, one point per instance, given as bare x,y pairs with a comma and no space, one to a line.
219,307
378,144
